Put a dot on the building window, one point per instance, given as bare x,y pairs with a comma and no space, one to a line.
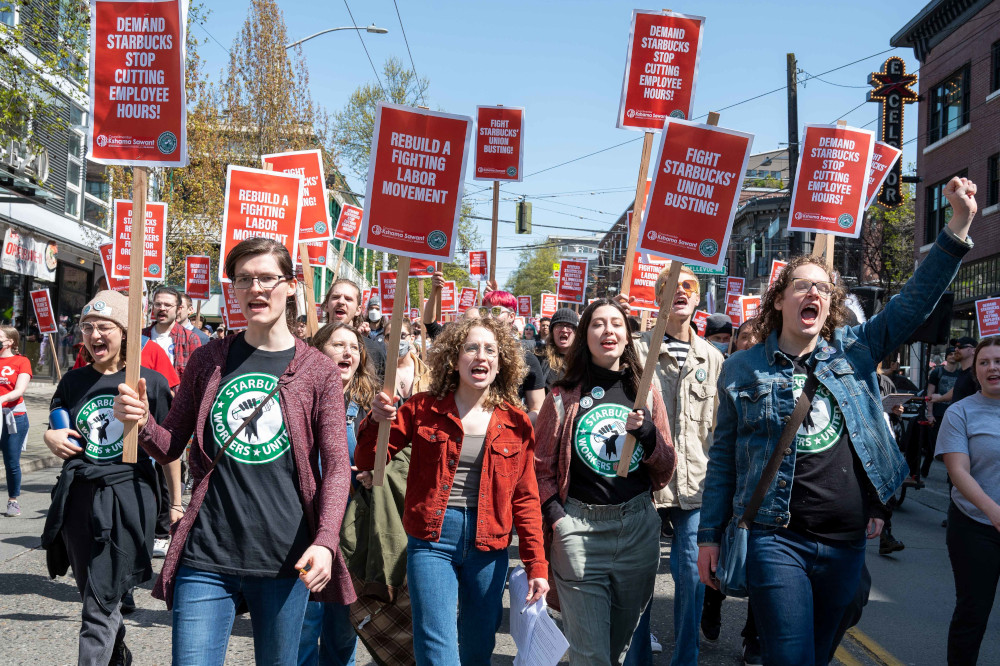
75,170
938,210
8,13
949,105
993,180
995,68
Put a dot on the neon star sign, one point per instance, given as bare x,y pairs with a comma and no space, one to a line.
892,92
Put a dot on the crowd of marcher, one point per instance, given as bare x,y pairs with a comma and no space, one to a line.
490,434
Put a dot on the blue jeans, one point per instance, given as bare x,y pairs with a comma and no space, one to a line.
328,637
205,607
10,444
448,574
799,590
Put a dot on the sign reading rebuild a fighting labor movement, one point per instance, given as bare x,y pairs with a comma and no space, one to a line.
643,288
155,250
572,281
661,69
499,138
314,222
832,181
387,290
137,83
449,297
696,186
44,315
988,315
415,174
231,311
260,204
197,284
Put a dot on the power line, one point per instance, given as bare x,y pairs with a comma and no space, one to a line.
377,77
407,42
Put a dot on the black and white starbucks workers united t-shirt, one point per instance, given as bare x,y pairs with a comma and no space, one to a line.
89,397
252,522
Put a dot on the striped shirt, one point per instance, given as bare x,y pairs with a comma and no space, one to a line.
678,349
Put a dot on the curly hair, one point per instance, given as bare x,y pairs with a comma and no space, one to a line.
769,318
511,367
363,386
579,362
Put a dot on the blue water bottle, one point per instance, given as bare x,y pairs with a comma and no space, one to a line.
59,420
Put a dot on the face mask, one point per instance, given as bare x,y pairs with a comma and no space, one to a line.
374,315
721,346
404,348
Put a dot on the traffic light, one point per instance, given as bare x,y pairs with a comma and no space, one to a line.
523,225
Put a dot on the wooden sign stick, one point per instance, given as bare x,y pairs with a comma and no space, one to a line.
666,297
392,358
640,200
133,342
437,294
829,245
55,356
493,235
423,330
643,320
340,259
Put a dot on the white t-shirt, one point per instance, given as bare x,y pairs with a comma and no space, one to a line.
165,341
970,426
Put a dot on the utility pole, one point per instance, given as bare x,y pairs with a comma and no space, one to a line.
795,238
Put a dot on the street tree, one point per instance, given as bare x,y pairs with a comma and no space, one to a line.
887,247
534,273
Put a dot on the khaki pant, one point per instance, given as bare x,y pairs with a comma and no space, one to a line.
605,559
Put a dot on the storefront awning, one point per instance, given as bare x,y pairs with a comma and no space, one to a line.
17,189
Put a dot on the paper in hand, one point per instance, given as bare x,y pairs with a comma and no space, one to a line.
538,639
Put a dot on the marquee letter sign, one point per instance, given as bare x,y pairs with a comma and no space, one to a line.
892,91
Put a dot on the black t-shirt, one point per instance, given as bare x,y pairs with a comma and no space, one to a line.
89,397
965,385
252,522
944,381
535,379
828,499
598,437
376,353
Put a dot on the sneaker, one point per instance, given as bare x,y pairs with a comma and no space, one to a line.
711,618
888,544
13,508
160,547
128,603
654,645
752,654
913,482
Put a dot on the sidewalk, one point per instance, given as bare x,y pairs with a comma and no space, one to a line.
36,455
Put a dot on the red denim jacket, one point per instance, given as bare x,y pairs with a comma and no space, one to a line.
508,493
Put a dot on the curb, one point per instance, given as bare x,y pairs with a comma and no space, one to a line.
34,465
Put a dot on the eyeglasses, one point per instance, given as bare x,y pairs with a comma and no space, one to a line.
493,311
966,347
803,285
163,306
339,347
103,329
265,281
472,349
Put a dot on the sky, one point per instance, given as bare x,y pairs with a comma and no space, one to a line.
563,61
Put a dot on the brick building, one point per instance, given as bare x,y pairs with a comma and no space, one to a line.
958,45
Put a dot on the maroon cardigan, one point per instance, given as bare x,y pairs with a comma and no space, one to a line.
312,406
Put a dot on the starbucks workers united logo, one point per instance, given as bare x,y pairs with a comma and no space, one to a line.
600,437
824,426
97,423
264,438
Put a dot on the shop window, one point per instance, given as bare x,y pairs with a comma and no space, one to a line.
949,105
993,180
938,210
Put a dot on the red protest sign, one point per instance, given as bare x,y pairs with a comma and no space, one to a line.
260,204
661,69
733,308
156,240
696,188
349,224
107,251
883,157
467,298
988,315
415,174
314,221
419,268
829,192
572,281
367,294
734,285
776,268
387,290
414,314
317,252
700,320
449,297
137,98
749,306
524,306
499,139
549,304
232,314
643,286
477,264
196,277
44,314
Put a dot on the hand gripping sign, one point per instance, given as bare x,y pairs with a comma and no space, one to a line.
661,69
988,316
155,240
829,195
572,281
524,306
884,157
196,277
137,101
260,204
314,222
499,139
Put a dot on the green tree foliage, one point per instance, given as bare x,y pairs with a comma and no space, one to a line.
888,237
534,274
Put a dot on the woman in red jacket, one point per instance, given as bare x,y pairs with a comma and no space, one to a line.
263,525
471,480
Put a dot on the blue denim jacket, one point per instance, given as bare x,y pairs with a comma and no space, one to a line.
756,397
